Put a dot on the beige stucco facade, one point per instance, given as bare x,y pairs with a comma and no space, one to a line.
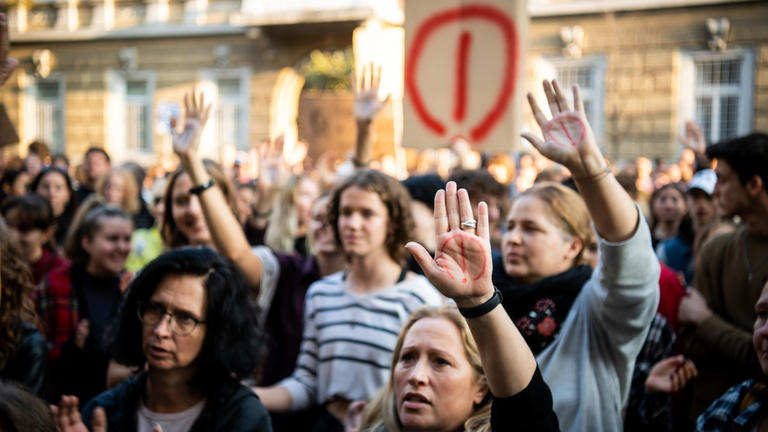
643,57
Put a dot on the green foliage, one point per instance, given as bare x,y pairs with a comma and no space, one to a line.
328,70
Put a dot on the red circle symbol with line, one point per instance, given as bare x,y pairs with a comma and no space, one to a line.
423,33
459,239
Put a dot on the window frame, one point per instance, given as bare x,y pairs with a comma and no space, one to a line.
117,111
31,124
549,66
689,91
209,84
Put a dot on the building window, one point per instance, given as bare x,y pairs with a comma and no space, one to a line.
229,90
130,110
589,74
229,109
138,111
717,91
48,116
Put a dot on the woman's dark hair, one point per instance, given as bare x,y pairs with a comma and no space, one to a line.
32,212
9,177
17,289
174,238
86,223
72,204
395,198
231,345
423,188
21,411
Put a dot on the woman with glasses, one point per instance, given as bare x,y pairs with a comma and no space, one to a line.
187,322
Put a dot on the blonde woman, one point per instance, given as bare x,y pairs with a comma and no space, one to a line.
291,215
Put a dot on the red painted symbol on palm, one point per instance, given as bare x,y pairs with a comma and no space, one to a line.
462,257
565,130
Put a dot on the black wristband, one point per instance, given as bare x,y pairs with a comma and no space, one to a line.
484,308
197,190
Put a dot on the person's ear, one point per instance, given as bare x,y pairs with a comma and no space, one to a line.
480,394
754,186
574,248
86,243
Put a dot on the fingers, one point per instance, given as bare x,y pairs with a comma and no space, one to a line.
186,103
353,83
538,115
465,207
549,92
99,422
483,226
441,217
422,257
452,205
562,99
534,140
375,79
578,103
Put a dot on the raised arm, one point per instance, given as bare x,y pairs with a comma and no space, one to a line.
367,106
7,64
568,140
461,270
227,234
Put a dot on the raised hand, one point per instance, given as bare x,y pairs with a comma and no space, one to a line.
7,64
461,269
670,375
568,138
67,416
366,92
693,138
195,117
272,166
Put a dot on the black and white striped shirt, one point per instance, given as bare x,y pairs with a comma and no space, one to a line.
348,338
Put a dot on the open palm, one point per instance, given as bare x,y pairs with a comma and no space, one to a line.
366,93
195,117
461,269
568,138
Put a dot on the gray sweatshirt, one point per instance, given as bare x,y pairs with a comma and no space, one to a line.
589,365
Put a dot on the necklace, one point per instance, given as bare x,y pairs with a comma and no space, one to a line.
750,270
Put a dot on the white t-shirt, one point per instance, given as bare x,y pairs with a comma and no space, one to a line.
173,422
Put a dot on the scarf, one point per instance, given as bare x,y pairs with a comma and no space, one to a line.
538,310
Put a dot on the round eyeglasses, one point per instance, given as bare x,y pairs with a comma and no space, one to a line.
182,323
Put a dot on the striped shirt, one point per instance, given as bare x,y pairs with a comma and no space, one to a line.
348,339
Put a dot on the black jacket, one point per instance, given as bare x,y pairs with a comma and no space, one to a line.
231,407
28,365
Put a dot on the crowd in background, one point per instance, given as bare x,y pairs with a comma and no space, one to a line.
329,295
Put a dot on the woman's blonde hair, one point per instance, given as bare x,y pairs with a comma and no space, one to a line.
381,413
284,221
130,201
569,211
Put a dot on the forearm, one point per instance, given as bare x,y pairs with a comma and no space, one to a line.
226,232
363,143
507,360
612,210
275,398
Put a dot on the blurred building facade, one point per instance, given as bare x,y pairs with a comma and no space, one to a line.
113,72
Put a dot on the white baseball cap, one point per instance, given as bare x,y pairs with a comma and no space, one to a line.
704,180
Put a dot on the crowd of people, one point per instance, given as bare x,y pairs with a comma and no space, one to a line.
553,290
